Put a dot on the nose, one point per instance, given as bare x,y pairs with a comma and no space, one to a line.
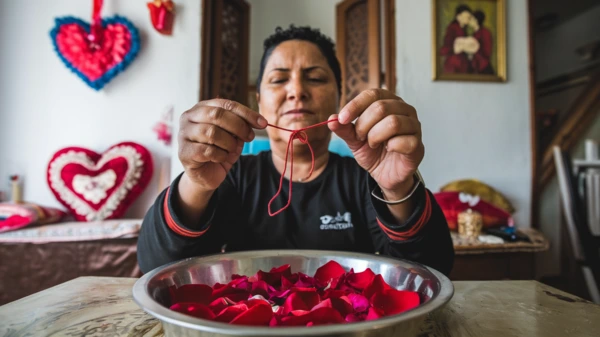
296,89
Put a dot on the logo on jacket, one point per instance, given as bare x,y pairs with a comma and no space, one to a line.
336,223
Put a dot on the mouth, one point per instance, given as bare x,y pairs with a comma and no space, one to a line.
297,112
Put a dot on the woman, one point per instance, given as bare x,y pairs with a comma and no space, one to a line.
480,61
456,60
222,198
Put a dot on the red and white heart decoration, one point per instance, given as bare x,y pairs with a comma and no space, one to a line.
99,186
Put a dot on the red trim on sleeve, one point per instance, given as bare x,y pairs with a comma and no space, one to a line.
402,236
173,224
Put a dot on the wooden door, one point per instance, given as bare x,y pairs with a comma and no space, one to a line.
225,50
361,26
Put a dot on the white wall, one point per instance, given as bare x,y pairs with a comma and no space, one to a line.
44,107
266,15
470,129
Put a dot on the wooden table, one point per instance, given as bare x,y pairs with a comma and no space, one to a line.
103,307
508,261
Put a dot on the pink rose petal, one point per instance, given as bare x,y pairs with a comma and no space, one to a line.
329,271
359,302
392,301
194,309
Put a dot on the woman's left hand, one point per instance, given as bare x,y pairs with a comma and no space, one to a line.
385,140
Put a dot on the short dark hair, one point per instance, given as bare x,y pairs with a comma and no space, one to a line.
463,8
325,44
480,16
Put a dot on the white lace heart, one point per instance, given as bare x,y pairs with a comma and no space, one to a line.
94,188
470,199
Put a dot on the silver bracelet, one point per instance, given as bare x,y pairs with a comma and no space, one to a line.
396,202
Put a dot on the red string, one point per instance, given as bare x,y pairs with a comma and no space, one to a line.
95,36
302,137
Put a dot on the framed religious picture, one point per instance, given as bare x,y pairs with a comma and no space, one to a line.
469,40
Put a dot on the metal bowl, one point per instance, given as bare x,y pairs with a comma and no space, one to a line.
151,293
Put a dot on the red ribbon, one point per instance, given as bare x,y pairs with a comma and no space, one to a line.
302,137
95,36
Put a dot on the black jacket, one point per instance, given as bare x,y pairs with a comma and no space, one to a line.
333,212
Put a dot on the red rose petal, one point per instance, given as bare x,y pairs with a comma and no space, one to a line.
192,293
301,299
259,314
329,271
356,317
333,293
219,304
229,313
374,314
194,309
341,305
307,281
323,304
392,301
232,293
261,287
286,283
317,317
377,285
359,302
360,280
273,277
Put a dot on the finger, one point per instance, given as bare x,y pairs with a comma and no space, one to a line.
345,132
407,145
391,126
378,111
201,153
233,156
212,135
252,117
361,102
222,118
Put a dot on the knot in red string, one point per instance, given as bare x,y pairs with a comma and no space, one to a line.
301,135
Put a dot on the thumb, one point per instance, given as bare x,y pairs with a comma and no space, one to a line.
346,132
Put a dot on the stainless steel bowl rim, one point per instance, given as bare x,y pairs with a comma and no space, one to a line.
148,304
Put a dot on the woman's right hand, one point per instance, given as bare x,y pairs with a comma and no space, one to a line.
211,139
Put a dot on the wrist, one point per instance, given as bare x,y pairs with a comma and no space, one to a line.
400,191
189,189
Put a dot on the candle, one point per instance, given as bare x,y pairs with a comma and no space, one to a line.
16,192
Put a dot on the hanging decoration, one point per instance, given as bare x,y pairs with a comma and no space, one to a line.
162,15
97,52
163,128
97,186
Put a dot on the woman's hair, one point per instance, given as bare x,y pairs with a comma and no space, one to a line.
325,44
480,16
462,8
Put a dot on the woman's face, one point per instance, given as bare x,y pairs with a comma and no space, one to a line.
298,89
463,18
473,23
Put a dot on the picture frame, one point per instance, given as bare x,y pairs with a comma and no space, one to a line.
469,40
